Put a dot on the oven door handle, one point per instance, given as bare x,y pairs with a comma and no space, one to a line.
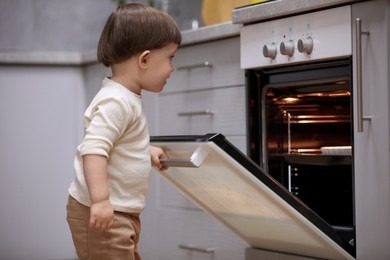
195,161
359,72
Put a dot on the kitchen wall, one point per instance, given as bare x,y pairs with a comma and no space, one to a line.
56,25
48,74
71,25
40,127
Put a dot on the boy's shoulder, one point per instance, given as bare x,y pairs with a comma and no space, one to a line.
113,92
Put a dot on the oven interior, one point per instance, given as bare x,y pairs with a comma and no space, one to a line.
300,132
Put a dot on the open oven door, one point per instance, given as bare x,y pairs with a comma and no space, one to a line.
221,180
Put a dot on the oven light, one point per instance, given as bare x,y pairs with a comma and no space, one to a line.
342,83
340,94
290,100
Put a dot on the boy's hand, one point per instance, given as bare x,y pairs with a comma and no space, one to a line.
102,215
156,153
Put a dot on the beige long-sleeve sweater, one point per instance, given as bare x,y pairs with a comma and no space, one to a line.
116,127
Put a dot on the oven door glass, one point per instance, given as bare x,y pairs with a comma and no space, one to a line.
224,182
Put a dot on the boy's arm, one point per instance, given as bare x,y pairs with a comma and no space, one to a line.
95,172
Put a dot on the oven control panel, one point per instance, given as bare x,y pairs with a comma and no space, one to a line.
313,36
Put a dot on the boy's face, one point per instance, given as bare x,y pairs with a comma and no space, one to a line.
160,67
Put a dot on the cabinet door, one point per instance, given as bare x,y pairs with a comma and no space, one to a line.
200,112
208,65
372,178
193,235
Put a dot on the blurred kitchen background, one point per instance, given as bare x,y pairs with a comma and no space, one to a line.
73,25
49,74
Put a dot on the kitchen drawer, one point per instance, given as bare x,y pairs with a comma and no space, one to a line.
191,73
182,230
199,112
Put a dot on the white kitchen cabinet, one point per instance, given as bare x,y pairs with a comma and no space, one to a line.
209,65
41,114
205,94
372,178
203,112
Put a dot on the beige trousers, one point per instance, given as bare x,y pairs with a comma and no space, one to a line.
117,243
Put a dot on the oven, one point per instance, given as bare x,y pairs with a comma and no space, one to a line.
299,107
300,132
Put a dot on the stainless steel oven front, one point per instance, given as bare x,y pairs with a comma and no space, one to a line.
299,108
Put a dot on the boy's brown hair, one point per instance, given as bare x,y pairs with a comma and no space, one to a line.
134,28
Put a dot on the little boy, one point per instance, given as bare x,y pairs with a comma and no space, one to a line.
113,162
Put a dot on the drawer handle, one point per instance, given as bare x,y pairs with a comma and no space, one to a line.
194,161
197,113
205,64
359,72
197,249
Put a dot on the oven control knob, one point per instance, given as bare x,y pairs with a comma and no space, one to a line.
305,45
270,50
287,48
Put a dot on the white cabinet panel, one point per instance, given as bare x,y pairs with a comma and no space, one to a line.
187,113
40,112
372,178
194,228
191,72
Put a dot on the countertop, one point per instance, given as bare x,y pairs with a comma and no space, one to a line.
210,33
280,8
60,58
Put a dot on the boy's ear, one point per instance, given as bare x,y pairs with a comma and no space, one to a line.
143,59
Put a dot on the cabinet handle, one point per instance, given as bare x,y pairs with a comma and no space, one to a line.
197,249
197,113
194,161
205,64
359,72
